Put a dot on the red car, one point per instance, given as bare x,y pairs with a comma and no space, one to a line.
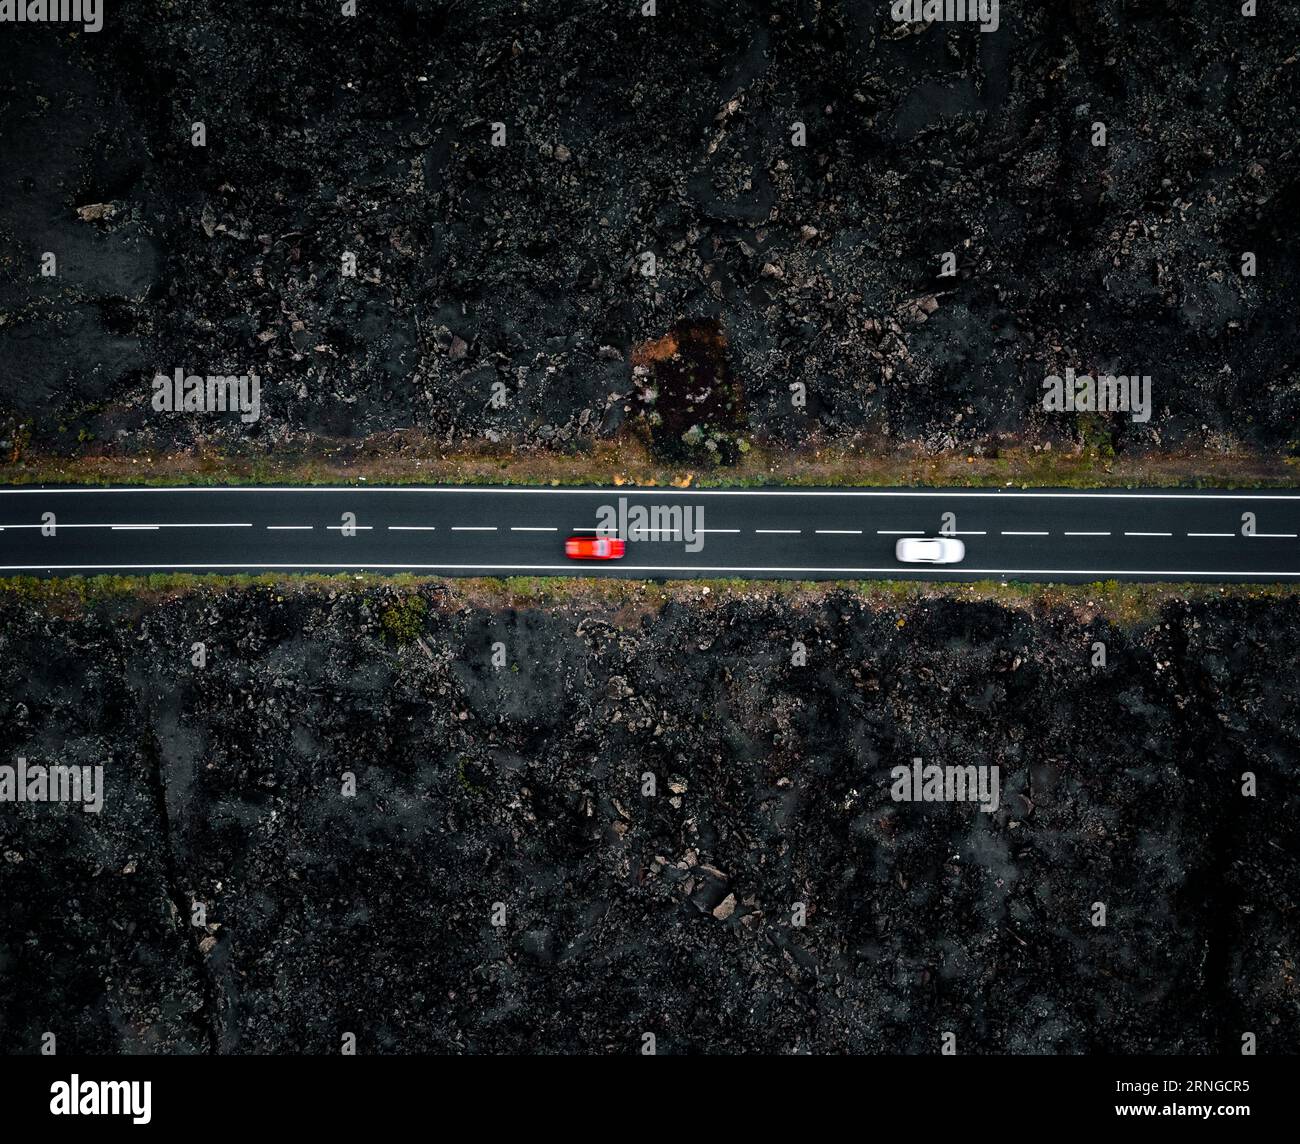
594,548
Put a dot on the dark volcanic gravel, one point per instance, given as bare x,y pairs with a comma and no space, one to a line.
626,914
669,135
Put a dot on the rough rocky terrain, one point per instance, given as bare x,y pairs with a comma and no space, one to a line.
670,135
625,913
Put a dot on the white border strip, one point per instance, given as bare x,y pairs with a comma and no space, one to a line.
528,490
636,570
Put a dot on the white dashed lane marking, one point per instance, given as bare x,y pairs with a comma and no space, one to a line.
62,524
641,532
646,531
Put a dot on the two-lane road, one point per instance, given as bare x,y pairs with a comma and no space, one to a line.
786,533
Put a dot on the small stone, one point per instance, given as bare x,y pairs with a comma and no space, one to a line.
725,908
93,212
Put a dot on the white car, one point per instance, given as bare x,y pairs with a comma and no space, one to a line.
930,550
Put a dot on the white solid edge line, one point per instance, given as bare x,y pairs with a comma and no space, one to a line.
625,491
1274,536
133,527
646,568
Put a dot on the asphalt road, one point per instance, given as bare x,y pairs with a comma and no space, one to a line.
786,533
